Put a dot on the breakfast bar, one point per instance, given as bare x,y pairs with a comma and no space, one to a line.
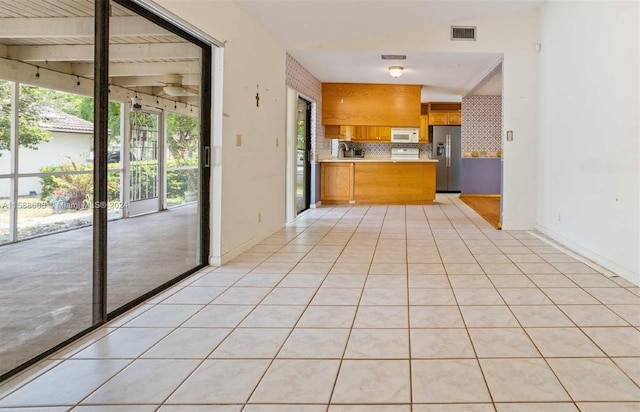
378,181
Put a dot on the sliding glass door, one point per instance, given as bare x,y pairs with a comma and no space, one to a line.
103,194
46,190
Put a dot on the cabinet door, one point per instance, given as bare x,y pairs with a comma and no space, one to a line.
372,133
336,182
332,132
371,104
424,129
438,118
360,133
455,118
346,132
384,133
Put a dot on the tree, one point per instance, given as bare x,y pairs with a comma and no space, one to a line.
33,100
183,135
183,132
30,103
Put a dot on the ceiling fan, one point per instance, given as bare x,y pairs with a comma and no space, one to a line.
173,86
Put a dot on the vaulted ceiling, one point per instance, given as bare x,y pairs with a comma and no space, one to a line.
59,35
327,37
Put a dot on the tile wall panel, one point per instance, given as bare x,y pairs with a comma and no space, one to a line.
481,125
301,80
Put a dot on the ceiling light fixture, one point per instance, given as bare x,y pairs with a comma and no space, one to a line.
395,71
135,103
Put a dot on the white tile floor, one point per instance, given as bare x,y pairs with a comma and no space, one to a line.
364,309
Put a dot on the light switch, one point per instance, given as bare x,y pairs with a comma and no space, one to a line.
238,140
509,135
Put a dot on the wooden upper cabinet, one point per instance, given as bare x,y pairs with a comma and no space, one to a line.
361,104
455,118
424,128
445,113
339,132
438,118
384,132
360,133
380,134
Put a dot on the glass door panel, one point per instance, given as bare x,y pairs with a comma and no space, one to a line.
143,163
183,143
303,166
46,284
159,238
5,213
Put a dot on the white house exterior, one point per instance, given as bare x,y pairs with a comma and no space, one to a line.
69,138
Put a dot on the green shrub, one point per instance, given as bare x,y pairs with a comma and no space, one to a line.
77,188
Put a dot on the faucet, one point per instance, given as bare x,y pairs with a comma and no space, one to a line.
344,147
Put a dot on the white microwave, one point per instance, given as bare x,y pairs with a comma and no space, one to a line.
405,135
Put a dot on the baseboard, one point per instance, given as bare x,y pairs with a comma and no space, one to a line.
591,258
227,256
477,195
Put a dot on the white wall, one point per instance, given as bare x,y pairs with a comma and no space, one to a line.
437,94
589,175
251,199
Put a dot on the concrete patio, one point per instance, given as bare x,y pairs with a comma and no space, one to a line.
46,282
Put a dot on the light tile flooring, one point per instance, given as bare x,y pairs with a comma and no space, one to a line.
383,308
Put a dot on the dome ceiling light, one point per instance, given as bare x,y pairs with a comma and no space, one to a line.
395,71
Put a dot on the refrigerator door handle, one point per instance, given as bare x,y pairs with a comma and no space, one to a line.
448,150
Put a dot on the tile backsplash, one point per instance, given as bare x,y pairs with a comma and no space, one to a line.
382,150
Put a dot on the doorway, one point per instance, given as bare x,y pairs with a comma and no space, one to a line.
144,138
303,154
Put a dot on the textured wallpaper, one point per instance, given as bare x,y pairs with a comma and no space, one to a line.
299,79
481,125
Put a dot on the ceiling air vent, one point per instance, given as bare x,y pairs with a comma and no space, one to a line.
393,57
463,32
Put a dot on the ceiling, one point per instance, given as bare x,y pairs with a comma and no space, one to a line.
59,35
315,33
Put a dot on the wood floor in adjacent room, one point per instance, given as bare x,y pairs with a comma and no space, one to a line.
487,206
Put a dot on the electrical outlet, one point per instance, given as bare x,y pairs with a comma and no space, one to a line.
238,140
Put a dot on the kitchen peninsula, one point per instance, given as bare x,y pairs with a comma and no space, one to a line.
378,181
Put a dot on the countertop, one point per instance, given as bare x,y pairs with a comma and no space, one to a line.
373,159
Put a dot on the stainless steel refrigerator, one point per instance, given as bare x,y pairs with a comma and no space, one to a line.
447,149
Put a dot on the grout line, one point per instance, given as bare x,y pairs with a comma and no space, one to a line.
574,255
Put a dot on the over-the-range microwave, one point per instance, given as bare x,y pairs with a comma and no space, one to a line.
405,135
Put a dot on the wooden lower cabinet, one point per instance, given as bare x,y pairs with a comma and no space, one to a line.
336,183
404,183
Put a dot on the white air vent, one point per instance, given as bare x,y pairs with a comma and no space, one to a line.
463,33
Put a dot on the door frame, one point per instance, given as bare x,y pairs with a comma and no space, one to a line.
153,205
291,134
307,155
